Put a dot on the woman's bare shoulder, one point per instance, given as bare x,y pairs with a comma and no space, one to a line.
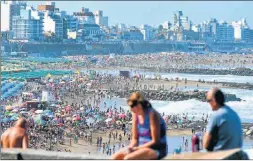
153,114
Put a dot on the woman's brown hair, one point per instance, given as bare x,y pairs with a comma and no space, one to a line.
138,96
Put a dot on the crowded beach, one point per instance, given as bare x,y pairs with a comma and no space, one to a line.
71,107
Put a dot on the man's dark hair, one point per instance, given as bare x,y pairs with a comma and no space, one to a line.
219,97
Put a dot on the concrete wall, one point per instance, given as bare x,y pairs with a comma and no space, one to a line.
234,154
31,154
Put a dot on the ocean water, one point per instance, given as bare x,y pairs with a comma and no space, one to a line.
194,107
193,77
177,141
174,142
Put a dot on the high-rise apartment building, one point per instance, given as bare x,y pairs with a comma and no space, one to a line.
180,21
26,26
242,31
100,19
53,24
85,16
225,32
147,32
8,10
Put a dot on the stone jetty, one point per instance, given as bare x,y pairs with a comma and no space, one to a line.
172,95
236,71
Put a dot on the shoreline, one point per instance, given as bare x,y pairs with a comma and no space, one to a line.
84,147
199,71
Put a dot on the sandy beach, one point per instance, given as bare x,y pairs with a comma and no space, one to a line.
86,100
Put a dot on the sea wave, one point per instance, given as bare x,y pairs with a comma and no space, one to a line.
191,107
192,77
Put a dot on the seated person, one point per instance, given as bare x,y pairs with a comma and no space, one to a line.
148,132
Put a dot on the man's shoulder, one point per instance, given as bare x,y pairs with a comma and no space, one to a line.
223,110
226,113
227,110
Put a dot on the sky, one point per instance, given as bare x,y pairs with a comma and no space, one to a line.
156,12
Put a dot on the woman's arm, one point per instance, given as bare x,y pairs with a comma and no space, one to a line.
155,130
134,141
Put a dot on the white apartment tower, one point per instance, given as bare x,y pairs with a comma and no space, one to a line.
147,32
242,31
8,10
100,19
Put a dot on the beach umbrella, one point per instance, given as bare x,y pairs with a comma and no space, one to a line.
100,119
48,75
78,118
57,114
122,115
51,116
24,104
68,118
47,111
39,111
9,108
7,113
15,110
108,120
24,112
23,109
109,113
118,122
90,120
68,108
62,82
14,118
33,110
5,119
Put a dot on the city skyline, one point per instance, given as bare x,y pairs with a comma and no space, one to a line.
155,13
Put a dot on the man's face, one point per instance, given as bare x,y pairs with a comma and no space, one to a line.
210,99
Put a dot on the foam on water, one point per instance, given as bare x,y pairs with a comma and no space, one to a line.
196,108
243,108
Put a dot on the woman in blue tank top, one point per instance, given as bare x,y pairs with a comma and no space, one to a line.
148,132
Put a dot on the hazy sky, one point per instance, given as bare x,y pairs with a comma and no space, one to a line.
152,12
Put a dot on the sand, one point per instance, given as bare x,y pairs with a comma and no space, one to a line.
84,147
179,132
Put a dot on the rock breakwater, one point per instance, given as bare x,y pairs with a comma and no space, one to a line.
237,71
172,95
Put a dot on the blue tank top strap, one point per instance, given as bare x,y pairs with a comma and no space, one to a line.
146,118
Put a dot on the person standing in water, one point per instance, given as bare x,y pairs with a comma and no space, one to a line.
148,132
